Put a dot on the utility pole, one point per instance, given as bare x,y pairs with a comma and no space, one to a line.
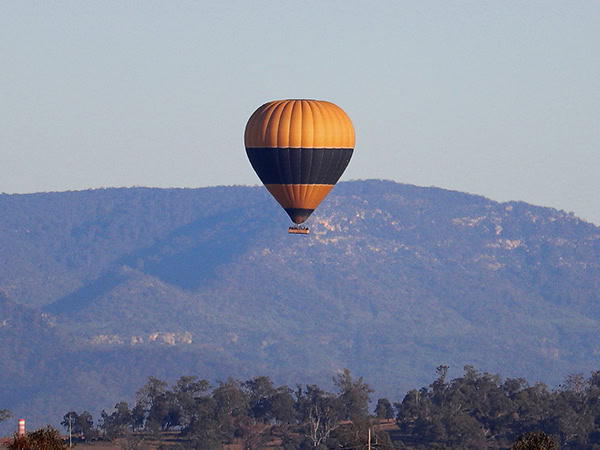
369,438
70,428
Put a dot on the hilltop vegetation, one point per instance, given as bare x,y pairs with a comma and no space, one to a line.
476,410
103,288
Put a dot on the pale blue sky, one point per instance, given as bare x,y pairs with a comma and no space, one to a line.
498,98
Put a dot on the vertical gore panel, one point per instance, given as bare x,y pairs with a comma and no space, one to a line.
285,163
325,125
325,165
315,195
319,131
317,165
283,129
273,125
295,164
337,165
301,196
297,119
308,127
305,165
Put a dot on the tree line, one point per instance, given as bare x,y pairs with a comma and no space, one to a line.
253,412
475,410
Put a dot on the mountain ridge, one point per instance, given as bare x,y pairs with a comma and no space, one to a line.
392,281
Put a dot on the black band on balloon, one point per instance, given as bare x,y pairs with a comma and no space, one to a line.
299,165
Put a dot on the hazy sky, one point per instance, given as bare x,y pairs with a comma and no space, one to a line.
498,98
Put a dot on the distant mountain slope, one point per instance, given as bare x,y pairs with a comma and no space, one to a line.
59,242
392,281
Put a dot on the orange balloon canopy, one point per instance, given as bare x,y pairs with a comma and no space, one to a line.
299,150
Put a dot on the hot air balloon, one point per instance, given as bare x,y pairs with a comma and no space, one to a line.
299,150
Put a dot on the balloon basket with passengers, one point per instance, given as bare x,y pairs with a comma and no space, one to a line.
299,150
298,230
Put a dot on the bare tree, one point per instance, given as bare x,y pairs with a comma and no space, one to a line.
5,414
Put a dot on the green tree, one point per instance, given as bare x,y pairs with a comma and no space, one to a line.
203,429
122,417
412,405
321,412
353,394
81,424
259,391
384,409
188,391
85,425
231,411
429,429
464,431
281,406
69,421
5,414
147,396
571,417
118,422
138,417
439,388
164,413
153,388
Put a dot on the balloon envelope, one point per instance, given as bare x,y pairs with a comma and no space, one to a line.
299,150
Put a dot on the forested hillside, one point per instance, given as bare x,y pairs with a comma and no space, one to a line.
103,288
